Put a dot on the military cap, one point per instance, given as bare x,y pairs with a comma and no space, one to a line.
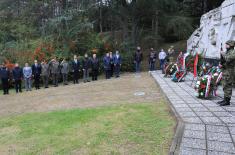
231,43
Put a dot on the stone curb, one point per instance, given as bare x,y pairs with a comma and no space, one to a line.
175,146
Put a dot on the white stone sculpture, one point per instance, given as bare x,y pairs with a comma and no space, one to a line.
216,27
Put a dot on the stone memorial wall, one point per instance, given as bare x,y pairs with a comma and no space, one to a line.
216,27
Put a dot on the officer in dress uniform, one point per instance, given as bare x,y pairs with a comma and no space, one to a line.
45,73
55,71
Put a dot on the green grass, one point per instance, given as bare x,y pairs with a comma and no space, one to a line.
128,129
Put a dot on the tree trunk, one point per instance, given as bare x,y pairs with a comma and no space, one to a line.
100,16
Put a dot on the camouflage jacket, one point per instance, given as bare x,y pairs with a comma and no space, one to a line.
229,59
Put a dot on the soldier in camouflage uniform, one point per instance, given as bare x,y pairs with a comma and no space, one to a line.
228,63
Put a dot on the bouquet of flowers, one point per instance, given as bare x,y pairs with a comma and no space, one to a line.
171,69
168,68
178,76
206,86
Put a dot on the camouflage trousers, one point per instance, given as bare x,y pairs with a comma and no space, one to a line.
228,78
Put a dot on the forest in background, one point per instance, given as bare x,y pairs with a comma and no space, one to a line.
41,29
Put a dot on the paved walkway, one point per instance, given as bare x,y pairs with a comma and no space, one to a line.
208,128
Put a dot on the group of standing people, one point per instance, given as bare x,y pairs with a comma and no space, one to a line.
54,69
163,57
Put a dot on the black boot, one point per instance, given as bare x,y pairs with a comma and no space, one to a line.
226,102
220,102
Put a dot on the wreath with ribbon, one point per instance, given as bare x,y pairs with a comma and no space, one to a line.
207,85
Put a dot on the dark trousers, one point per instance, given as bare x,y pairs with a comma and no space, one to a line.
18,86
151,66
45,80
117,70
65,79
94,74
162,62
86,73
55,78
137,67
5,86
37,81
75,77
112,70
107,74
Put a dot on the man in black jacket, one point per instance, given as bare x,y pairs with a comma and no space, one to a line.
111,64
75,69
17,76
36,69
95,67
138,57
86,66
5,75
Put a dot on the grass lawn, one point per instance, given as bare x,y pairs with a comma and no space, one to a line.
135,129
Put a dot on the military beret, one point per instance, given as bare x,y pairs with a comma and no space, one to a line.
231,43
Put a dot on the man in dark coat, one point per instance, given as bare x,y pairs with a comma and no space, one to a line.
117,60
138,57
5,77
86,66
152,59
107,65
95,67
17,76
37,69
75,69
111,64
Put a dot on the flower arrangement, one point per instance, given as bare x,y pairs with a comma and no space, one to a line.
171,69
206,85
178,76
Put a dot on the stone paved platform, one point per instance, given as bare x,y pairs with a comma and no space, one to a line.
208,128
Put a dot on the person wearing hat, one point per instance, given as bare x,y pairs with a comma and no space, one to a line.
152,59
65,71
5,77
228,64
45,73
170,54
55,71
138,57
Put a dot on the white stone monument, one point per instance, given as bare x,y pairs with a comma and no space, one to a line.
216,27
